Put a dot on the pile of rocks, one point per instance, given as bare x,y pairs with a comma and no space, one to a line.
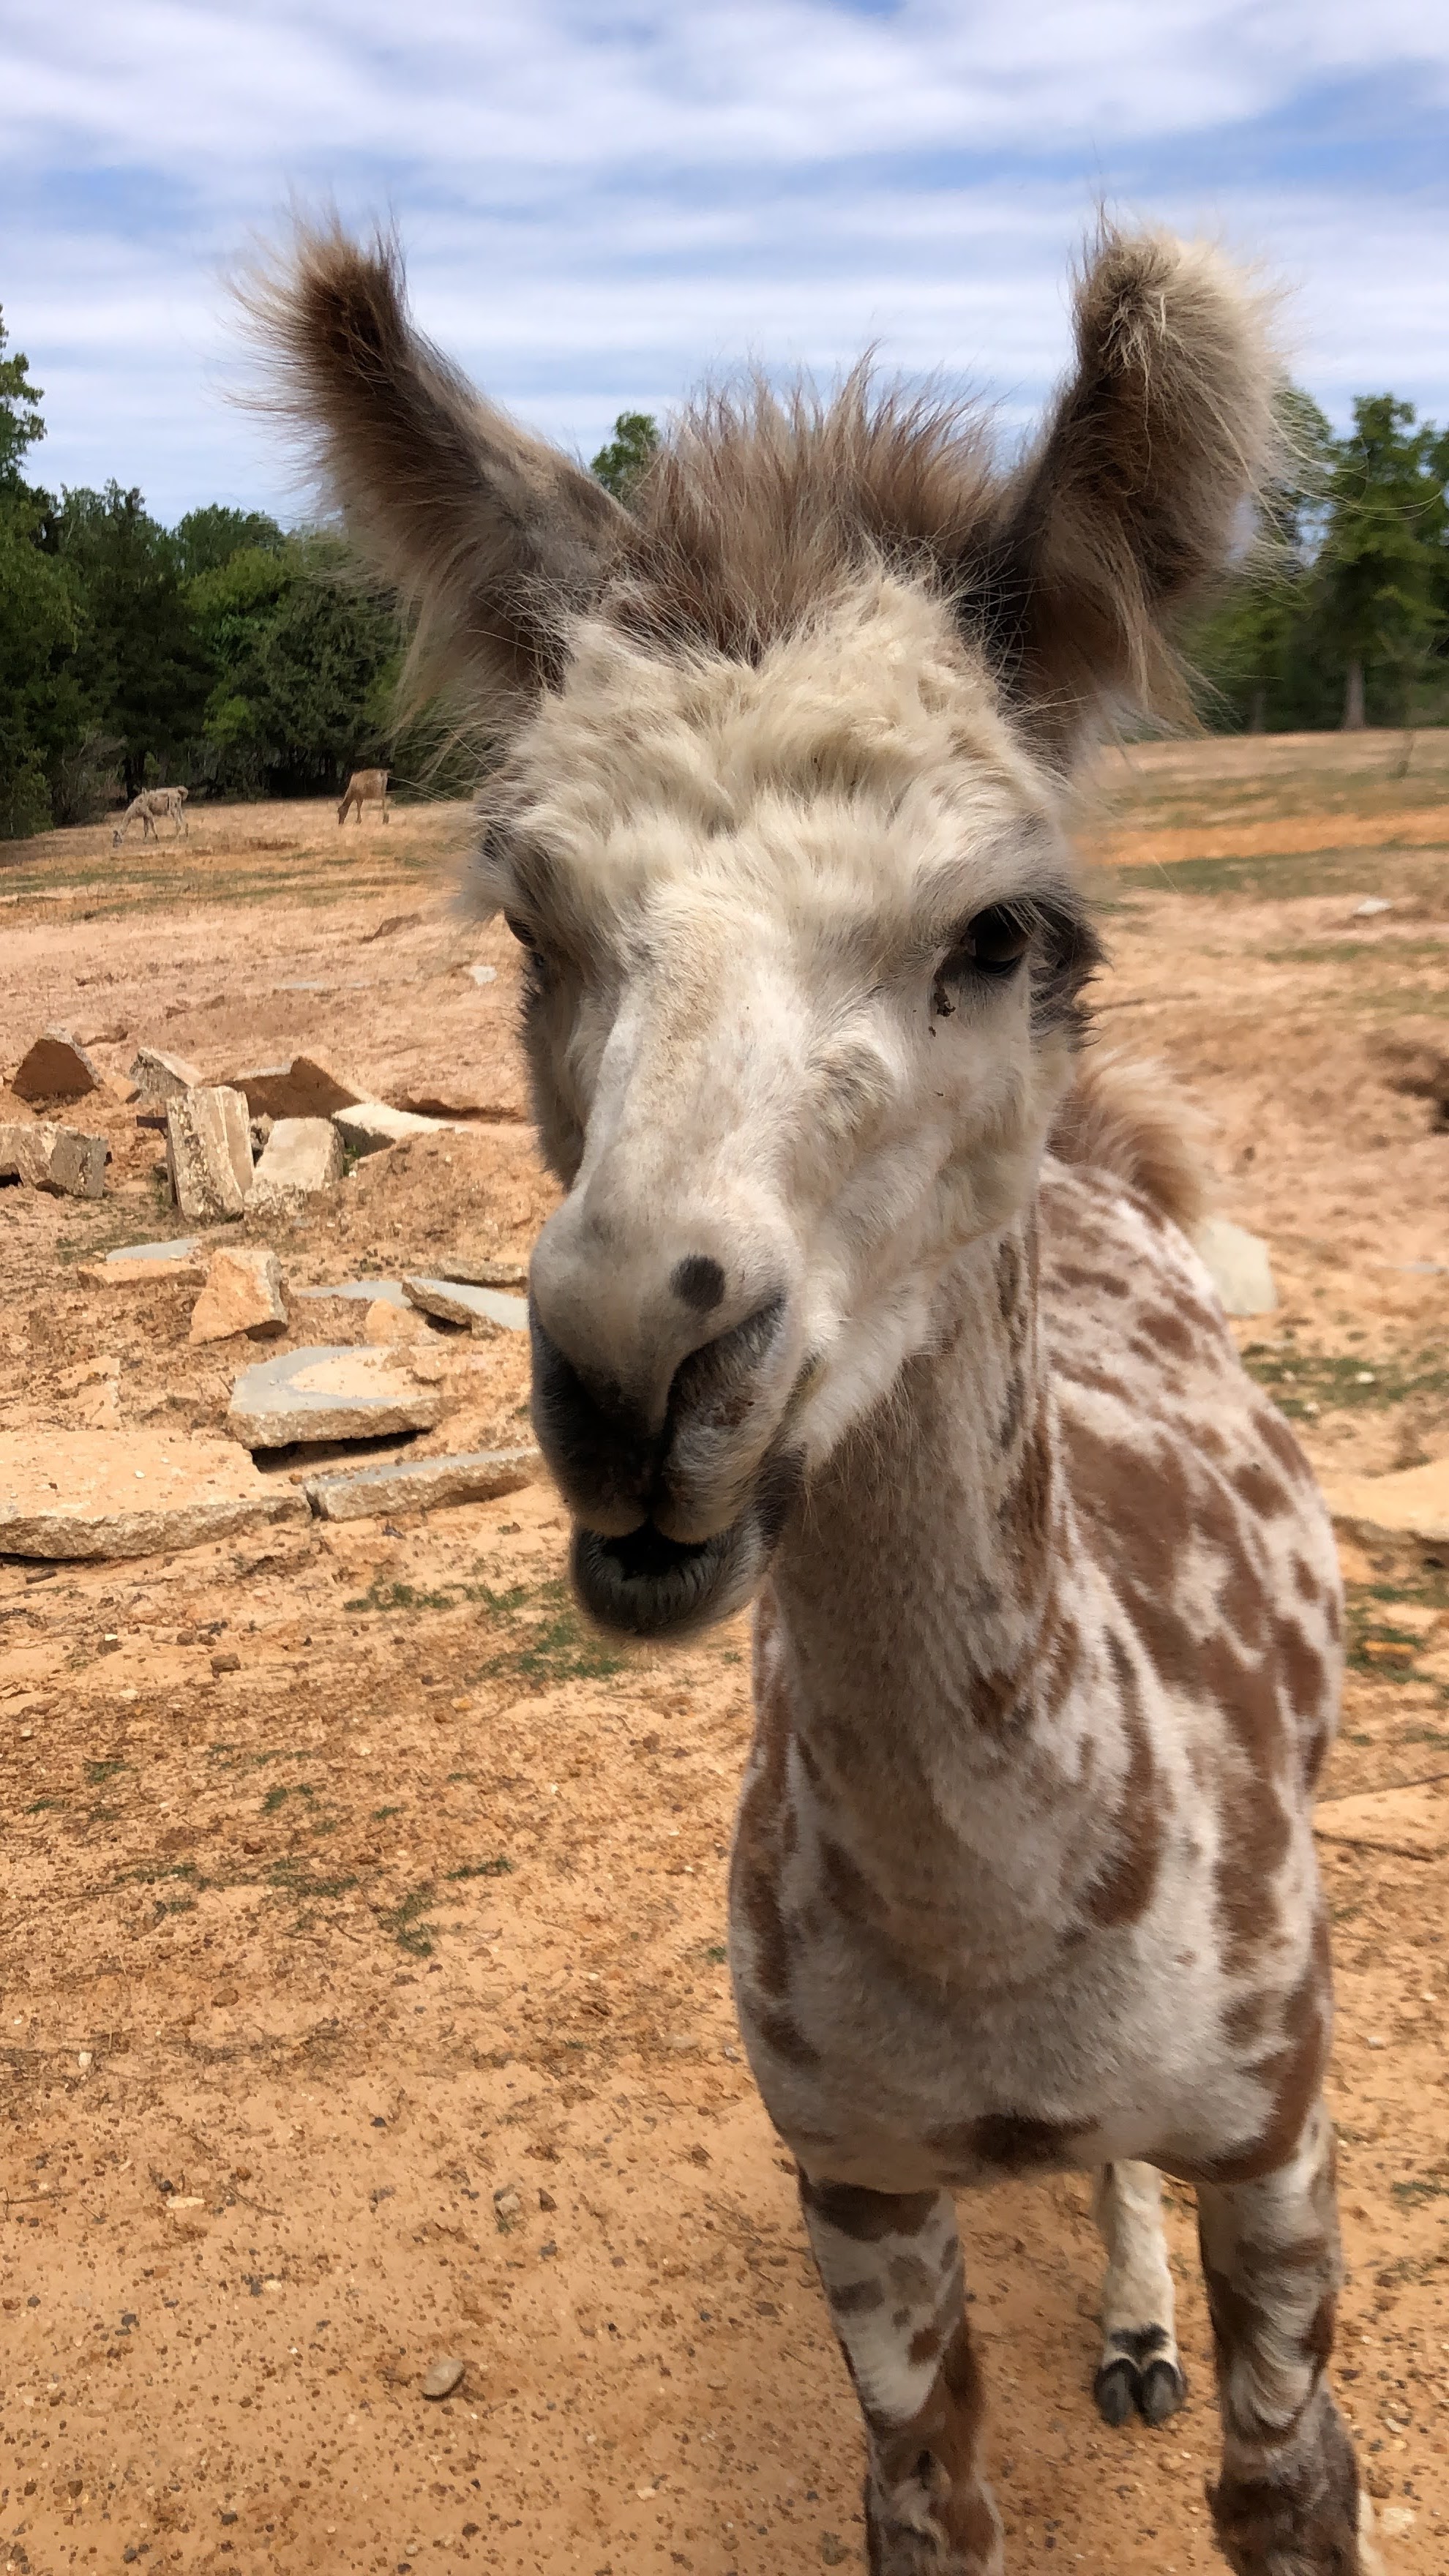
263,1141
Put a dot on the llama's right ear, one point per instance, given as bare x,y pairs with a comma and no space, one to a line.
490,538
1129,506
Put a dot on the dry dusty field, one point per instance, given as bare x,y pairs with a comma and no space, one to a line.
350,1883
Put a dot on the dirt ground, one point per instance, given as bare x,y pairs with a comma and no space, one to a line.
364,1998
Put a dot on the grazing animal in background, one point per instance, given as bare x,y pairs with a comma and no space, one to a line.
868,1298
364,787
154,805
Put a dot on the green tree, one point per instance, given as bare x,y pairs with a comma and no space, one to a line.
619,465
139,659
207,539
21,421
1254,650
305,659
1383,559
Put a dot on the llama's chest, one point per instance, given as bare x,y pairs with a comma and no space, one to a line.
1092,1948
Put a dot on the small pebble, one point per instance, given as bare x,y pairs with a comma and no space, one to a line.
226,1663
443,2377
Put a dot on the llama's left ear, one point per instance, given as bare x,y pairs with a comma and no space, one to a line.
1128,507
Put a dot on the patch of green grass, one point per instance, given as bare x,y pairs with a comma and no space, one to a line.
233,1757
401,1596
1434,1736
499,1868
1283,876
1428,2189
276,1799
406,1921
1304,1382
716,1953
295,1875
43,1806
381,1814
98,1773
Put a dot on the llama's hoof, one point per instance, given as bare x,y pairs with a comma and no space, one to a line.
1156,2392
1162,2392
1115,2390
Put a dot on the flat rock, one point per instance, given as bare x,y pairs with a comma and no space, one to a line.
374,1125
481,974
209,1152
57,1159
302,1086
243,1294
158,1076
482,1270
442,2377
1370,908
70,1494
1414,1504
1412,1821
180,1248
301,1156
421,1484
1238,1264
57,1067
338,1391
370,1292
456,1302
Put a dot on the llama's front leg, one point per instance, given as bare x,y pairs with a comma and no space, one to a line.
1140,2365
891,2266
1288,2501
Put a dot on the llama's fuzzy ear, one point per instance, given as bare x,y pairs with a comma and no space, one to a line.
1129,505
490,538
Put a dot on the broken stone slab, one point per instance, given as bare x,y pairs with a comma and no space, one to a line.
302,1086
421,1484
243,1294
1413,1504
301,1157
456,1302
57,1159
209,1152
1413,1821
373,1125
57,1067
371,1292
158,1076
178,1247
1238,1265
133,1265
333,1391
482,1270
71,1494
1370,908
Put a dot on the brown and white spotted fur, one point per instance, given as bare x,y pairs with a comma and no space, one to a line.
364,787
154,805
868,1300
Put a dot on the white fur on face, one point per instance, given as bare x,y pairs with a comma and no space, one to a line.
745,881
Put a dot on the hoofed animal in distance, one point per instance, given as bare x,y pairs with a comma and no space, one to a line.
364,787
867,1301
154,805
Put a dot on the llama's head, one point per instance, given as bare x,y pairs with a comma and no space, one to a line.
779,829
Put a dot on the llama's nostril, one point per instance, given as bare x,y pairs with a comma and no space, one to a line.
698,1282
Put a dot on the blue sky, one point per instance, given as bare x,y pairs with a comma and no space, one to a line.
602,204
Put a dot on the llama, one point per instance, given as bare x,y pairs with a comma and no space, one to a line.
364,787
152,806
868,1301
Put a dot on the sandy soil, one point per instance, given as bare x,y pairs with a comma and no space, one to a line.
363,1992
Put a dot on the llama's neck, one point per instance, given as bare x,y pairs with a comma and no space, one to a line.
919,1597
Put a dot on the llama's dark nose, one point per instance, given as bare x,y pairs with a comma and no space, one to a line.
698,1282
616,1465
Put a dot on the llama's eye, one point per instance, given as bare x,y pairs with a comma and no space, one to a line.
994,942
525,936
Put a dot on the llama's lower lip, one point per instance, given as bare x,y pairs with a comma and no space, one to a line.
647,1585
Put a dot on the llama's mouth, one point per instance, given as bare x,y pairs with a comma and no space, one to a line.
647,1585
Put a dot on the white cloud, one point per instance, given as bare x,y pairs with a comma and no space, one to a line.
600,205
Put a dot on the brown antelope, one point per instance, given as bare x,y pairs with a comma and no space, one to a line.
364,787
152,806
866,1302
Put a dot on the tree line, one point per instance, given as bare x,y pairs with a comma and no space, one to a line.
242,659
